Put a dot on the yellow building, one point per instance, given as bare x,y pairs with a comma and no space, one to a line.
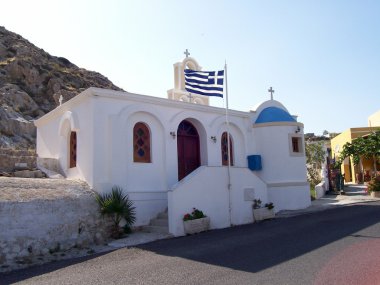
374,119
352,172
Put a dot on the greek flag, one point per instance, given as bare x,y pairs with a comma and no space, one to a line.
207,83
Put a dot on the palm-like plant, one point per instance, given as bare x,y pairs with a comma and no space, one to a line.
117,206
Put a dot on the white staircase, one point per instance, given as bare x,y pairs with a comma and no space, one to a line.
159,224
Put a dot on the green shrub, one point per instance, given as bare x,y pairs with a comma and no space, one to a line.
270,206
374,185
195,214
257,204
117,206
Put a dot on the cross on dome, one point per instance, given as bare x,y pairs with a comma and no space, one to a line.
271,91
187,53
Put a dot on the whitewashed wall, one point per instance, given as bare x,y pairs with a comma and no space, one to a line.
147,183
320,190
283,171
279,165
292,196
206,189
104,120
53,133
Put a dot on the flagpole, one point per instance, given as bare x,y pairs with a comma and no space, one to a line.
228,147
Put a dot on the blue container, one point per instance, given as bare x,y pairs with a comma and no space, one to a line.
254,162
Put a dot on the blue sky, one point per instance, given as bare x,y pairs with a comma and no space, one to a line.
321,57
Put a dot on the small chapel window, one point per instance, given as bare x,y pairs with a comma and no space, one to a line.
73,149
295,145
141,143
224,147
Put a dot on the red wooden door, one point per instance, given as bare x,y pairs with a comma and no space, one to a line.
187,148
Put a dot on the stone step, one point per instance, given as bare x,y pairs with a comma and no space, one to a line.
159,222
162,215
155,229
29,174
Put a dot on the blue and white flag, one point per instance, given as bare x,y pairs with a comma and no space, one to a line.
207,83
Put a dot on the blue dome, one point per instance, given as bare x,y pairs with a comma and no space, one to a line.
274,114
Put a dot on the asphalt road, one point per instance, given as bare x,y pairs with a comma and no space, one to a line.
338,246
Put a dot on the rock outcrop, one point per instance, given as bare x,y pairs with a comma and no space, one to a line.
31,82
10,158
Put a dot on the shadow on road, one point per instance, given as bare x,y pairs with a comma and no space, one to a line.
23,274
258,246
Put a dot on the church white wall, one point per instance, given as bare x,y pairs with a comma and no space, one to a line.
156,180
145,183
48,140
85,144
114,156
105,148
113,141
284,172
273,144
206,189
53,140
289,197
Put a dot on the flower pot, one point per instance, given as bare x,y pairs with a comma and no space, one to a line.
263,214
375,194
197,225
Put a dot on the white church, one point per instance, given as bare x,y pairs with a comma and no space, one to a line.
172,154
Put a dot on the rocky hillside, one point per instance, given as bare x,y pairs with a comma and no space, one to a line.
31,82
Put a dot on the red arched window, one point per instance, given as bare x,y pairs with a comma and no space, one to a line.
141,143
224,147
73,149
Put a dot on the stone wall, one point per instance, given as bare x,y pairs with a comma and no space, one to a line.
9,157
320,190
40,217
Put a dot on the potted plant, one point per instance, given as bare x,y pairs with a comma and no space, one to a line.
262,213
374,187
195,222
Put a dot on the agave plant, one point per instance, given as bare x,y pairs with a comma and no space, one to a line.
117,206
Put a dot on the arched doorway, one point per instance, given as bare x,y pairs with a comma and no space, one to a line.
187,148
